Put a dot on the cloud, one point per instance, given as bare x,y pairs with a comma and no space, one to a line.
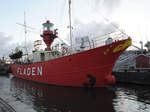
92,21
4,40
5,44
105,6
92,29
8,46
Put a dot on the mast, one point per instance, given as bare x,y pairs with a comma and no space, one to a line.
25,32
70,24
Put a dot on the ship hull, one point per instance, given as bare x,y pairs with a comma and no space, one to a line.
89,68
133,77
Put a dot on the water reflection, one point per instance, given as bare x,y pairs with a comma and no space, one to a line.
27,96
132,98
46,98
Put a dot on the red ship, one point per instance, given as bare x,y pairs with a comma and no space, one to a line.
90,67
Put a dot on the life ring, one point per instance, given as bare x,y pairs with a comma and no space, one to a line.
64,51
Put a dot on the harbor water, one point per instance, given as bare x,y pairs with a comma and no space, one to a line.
28,96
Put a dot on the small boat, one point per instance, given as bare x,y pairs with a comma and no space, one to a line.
3,67
135,69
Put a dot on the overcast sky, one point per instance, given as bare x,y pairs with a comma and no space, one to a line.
130,15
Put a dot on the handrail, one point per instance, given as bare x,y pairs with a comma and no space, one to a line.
98,41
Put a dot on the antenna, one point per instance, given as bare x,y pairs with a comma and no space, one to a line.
146,35
70,23
25,31
45,18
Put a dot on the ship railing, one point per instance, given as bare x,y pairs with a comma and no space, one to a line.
97,42
101,40
125,62
130,56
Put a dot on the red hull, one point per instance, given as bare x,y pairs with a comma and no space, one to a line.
73,70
